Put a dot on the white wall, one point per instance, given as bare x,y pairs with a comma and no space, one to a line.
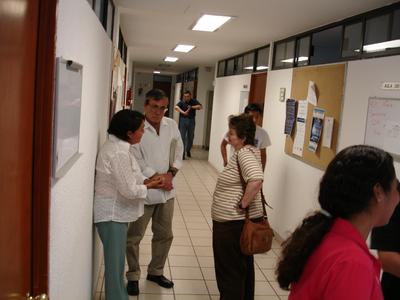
204,84
364,78
144,81
80,37
177,98
226,102
291,186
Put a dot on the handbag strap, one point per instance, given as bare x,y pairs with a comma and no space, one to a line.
244,185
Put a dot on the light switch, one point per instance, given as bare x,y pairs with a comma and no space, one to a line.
282,94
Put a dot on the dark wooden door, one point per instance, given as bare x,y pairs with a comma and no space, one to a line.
23,239
258,85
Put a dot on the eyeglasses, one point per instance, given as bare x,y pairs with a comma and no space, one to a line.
154,108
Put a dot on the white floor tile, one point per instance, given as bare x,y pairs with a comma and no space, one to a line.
186,273
190,287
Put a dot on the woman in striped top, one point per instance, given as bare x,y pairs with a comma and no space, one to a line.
234,270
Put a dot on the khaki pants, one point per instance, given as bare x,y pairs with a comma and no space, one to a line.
161,220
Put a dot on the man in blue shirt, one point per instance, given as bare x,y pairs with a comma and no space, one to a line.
187,120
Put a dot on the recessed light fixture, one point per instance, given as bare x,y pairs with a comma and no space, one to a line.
290,60
183,48
381,46
210,22
171,59
262,68
156,72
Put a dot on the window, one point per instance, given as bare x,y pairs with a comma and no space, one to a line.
352,40
98,8
230,67
379,37
396,25
110,19
326,46
248,62
302,51
221,68
284,55
262,59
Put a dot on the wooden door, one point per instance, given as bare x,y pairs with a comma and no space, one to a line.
26,80
258,85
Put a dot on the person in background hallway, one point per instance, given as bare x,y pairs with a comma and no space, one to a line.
120,189
187,120
261,140
326,257
234,270
161,140
386,240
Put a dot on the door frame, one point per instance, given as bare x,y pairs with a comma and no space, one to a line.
42,148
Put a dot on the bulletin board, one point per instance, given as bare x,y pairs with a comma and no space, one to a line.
67,115
383,124
329,83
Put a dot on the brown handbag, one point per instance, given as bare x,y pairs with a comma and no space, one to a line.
256,237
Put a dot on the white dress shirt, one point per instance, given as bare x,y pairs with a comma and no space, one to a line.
119,188
154,153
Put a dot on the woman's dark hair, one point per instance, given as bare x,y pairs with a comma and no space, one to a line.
345,190
253,107
244,127
123,121
155,94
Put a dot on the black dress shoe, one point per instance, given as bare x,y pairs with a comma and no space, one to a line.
133,288
188,154
161,281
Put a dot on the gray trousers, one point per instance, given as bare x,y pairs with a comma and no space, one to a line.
113,237
161,225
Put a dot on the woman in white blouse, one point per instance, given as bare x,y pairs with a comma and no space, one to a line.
234,270
120,190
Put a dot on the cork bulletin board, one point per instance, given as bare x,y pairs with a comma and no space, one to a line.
329,82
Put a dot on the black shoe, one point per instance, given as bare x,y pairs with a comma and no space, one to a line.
133,288
161,281
188,154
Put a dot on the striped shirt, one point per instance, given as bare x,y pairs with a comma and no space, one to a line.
229,191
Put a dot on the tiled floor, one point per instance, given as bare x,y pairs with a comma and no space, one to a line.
190,262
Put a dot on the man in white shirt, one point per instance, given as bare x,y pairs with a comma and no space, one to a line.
261,139
159,153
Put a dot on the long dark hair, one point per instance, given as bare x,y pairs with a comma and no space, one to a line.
123,121
345,190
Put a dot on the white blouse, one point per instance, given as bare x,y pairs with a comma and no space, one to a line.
119,189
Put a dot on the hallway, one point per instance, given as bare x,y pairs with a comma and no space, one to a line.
190,263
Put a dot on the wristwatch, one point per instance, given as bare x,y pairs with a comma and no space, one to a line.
173,171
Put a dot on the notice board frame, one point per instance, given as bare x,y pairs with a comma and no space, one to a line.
329,81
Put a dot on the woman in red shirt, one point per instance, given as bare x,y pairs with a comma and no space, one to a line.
326,258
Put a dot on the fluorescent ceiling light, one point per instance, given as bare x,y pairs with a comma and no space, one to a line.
171,59
290,60
156,72
262,68
248,68
210,22
382,46
183,48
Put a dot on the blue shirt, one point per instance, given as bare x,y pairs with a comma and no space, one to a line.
185,105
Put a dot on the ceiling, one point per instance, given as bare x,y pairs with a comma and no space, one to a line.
152,28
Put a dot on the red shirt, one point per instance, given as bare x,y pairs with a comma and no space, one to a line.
340,268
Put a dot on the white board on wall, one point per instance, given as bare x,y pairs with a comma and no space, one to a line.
67,115
383,124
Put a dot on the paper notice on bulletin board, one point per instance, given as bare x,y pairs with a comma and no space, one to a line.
301,119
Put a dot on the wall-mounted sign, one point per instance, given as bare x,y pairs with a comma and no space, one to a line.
390,86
